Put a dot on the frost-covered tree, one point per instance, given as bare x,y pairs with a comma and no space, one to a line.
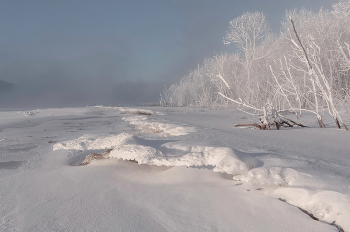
342,8
248,32
305,68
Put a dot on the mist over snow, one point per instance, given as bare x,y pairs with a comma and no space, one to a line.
77,53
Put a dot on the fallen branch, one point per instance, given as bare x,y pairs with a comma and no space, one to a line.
263,125
252,124
299,124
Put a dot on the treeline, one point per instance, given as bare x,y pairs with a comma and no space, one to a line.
305,68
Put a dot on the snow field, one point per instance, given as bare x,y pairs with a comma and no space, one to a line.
46,190
332,209
282,182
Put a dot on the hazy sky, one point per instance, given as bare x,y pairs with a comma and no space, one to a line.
64,46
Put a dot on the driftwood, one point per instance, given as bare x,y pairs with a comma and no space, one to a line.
288,122
295,123
255,125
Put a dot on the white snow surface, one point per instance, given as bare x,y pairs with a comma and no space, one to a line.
129,110
195,172
94,142
165,129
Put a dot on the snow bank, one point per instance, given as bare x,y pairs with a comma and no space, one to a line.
142,123
126,147
128,110
94,142
267,176
140,153
223,160
250,161
328,206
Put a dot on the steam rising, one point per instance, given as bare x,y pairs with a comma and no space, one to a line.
79,53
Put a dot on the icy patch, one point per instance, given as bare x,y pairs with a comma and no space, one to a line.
142,123
94,142
11,164
268,176
328,206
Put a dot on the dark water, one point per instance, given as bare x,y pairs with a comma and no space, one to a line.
11,164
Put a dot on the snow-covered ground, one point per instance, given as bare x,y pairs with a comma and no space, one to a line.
170,169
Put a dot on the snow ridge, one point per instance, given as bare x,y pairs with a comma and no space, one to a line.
268,176
143,123
94,142
128,110
126,147
294,188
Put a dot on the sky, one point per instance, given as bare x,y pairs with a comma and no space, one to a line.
73,53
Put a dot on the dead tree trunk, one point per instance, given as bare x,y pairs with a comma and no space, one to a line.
319,118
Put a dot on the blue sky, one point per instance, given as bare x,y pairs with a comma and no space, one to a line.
48,43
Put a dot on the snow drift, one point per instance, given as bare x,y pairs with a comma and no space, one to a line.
165,129
126,146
